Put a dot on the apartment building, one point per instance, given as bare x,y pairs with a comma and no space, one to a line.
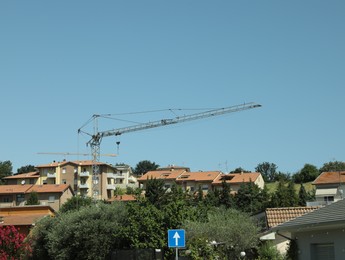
79,175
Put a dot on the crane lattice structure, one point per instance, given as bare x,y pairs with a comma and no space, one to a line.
96,137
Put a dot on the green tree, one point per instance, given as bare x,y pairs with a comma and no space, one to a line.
155,191
302,196
308,173
76,203
143,167
267,170
225,198
39,238
285,195
26,169
239,170
234,230
267,251
250,198
333,166
5,170
143,227
33,199
212,198
87,233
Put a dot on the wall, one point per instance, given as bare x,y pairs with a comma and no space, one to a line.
334,235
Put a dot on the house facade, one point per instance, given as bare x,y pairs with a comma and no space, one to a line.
53,195
320,234
329,187
24,178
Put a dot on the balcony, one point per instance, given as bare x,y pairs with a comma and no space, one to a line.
111,187
83,186
84,174
51,175
115,175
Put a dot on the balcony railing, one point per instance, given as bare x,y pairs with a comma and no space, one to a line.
110,186
115,175
84,174
83,186
51,175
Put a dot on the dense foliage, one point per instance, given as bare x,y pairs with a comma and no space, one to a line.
13,244
144,166
5,170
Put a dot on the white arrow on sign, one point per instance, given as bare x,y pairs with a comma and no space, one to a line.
176,236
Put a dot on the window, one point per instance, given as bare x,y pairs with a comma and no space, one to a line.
32,181
64,181
328,198
51,198
63,170
6,199
205,187
322,251
20,197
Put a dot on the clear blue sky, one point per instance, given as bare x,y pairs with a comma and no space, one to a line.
63,61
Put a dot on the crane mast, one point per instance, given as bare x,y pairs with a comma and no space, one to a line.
95,141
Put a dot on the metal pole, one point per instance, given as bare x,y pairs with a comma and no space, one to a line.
176,253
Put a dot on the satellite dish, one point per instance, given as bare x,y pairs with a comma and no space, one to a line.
23,182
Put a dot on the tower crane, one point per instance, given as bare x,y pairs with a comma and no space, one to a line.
96,137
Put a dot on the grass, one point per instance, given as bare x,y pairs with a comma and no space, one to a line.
272,187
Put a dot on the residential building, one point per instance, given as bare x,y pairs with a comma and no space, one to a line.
53,195
329,187
79,174
24,218
319,234
236,179
207,180
23,178
275,216
191,181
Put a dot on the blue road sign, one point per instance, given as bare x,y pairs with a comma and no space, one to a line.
176,238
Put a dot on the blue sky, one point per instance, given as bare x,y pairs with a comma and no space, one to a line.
63,61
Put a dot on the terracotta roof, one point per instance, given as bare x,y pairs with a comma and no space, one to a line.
24,176
330,178
85,162
276,216
26,215
49,188
125,197
237,177
198,176
10,189
161,174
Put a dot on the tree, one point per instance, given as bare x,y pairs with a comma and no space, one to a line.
143,167
155,191
89,233
308,173
267,170
143,227
333,167
285,195
302,196
26,169
225,198
13,244
251,199
33,199
75,203
235,230
5,170
239,170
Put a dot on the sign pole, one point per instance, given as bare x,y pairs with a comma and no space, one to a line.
176,253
